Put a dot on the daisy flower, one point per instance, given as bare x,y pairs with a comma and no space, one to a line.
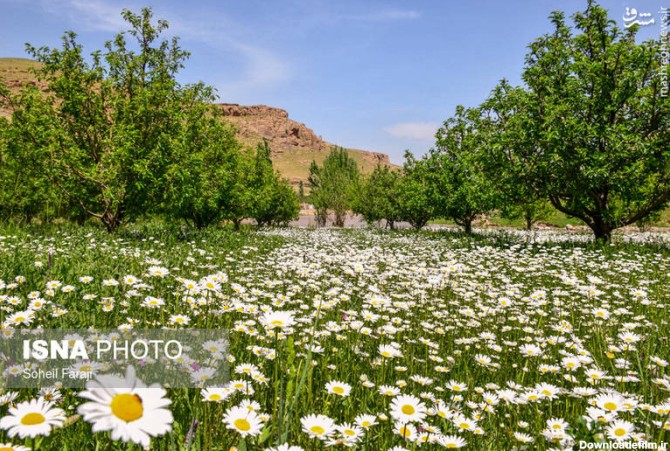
285,447
338,388
350,432
277,320
243,421
407,408
126,407
365,421
405,430
620,430
215,394
180,320
32,418
318,426
10,447
451,441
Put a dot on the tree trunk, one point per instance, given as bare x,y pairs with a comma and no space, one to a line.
602,231
391,224
467,225
236,223
529,220
339,220
111,221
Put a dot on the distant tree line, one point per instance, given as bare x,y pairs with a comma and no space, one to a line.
588,134
116,138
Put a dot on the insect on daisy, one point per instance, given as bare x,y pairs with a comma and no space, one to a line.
32,418
126,407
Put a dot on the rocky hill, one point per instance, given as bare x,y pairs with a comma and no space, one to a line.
293,144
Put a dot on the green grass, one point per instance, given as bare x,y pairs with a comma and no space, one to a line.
456,308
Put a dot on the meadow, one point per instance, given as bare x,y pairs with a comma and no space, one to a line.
359,339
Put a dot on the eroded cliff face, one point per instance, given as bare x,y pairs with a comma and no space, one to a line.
259,122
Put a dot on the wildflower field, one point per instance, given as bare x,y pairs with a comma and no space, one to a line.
363,339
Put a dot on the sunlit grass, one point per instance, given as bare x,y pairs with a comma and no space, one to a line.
492,336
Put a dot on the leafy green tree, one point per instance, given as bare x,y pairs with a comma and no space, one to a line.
318,193
333,185
463,189
417,196
509,157
274,201
104,134
377,197
602,150
204,174
285,206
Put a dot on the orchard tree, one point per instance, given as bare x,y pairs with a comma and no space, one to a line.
333,185
602,128
417,195
318,194
510,157
463,189
377,197
274,201
105,131
205,171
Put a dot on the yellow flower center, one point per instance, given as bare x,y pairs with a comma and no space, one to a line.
610,406
556,426
338,390
451,445
349,432
32,419
365,424
318,430
242,424
620,432
19,319
405,431
127,407
6,449
215,397
407,409
277,323
464,426
546,392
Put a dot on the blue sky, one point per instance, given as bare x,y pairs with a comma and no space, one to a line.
368,74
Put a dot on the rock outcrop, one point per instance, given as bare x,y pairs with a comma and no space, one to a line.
259,122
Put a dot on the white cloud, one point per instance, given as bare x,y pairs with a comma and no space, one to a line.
420,131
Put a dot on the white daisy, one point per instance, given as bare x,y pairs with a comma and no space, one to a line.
32,418
126,407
